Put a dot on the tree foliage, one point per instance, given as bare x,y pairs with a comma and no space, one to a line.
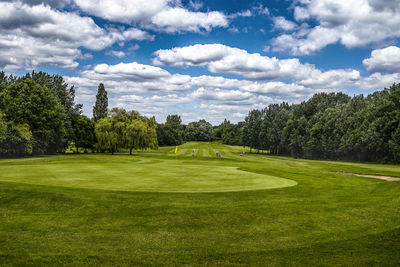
84,135
126,129
330,126
171,133
27,103
199,131
15,140
101,106
66,97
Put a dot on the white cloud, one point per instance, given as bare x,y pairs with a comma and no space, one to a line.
245,13
129,71
126,11
180,20
331,79
52,3
384,60
39,35
354,23
280,23
220,58
196,5
291,90
378,81
115,53
316,39
234,30
162,15
226,96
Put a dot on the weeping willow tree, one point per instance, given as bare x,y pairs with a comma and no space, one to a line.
107,135
126,129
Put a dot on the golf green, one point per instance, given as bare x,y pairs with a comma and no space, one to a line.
124,173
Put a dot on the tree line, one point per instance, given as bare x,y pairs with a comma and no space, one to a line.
38,115
330,126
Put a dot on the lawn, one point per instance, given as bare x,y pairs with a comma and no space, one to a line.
161,208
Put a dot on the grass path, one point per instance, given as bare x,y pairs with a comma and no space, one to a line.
84,212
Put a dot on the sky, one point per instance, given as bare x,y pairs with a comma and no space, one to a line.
204,59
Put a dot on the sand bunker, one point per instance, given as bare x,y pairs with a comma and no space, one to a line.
386,178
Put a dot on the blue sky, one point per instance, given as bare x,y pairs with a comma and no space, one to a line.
204,59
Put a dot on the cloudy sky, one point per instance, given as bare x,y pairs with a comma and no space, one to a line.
210,59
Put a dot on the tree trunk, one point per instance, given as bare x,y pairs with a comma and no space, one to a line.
130,151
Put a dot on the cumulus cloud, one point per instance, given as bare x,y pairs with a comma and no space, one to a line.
163,15
331,79
384,60
39,35
180,19
280,89
245,13
227,96
115,53
52,3
378,81
352,23
280,23
220,58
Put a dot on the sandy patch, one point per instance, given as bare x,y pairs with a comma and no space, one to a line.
387,178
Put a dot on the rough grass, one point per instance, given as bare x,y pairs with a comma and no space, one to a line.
80,210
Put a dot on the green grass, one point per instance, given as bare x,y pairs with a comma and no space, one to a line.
158,208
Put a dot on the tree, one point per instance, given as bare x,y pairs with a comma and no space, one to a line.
171,133
253,128
135,134
84,135
101,105
274,121
27,103
107,135
199,131
6,80
65,95
126,129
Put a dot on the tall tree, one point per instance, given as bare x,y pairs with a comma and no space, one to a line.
101,105
253,128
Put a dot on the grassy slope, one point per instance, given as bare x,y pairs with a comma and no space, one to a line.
326,219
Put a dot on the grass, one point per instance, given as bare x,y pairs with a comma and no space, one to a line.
158,208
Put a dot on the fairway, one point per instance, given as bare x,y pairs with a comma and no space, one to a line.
160,208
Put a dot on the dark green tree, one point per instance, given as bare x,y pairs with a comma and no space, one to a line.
101,105
15,140
252,129
66,97
26,102
84,135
